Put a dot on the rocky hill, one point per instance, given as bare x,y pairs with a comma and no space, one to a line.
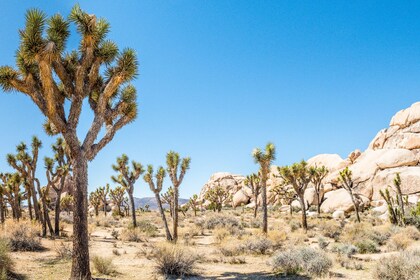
151,201
395,149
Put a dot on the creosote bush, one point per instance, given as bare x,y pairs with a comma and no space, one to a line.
103,265
174,260
399,242
306,260
226,221
131,235
403,266
23,236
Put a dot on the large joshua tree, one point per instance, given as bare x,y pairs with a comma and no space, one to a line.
58,82
127,178
264,159
176,170
156,188
298,176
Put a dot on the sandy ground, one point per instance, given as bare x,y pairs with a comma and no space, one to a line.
129,264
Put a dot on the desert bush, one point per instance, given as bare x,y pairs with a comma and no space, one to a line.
399,242
322,243
148,228
103,265
330,228
23,236
411,231
174,260
259,245
366,246
403,266
131,235
115,233
294,225
64,251
219,234
218,221
277,237
309,261
6,263
106,221
230,248
347,250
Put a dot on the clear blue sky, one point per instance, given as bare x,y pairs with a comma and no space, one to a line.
218,78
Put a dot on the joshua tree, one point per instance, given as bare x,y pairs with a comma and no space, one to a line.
168,198
26,165
127,178
117,196
298,176
194,203
126,206
264,159
95,201
395,205
67,203
56,79
217,197
348,184
253,182
318,174
103,194
44,194
58,169
286,193
156,189
2,212
12,191
174,166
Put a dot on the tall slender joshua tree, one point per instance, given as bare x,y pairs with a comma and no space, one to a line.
127,178
346,178
174,166
317,176
26,164
103,194
253,182
156,189
58,169
264,159
55,79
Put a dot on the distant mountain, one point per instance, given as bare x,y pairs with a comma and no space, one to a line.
151,201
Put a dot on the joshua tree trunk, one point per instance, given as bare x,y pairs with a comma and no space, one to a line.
35,203
356,206
80,261
256,208
57,213
303,207
175,214
133,209
318,206
30,207
162,214
1,209
264,205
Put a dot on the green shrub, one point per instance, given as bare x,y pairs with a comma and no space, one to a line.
259,245
148,228
367,246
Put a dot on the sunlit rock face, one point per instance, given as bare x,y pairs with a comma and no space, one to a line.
395,149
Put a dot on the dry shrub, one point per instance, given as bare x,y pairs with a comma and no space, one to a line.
277,237
64,251
399,242
366,246
411,232
103,265
403,266
219,221
174,260
309,261
297,238
106,221
23,236
148,228
231,247
330,228
258,245
219,234
131,235
6,263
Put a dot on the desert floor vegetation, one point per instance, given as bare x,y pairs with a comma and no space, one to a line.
222,245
